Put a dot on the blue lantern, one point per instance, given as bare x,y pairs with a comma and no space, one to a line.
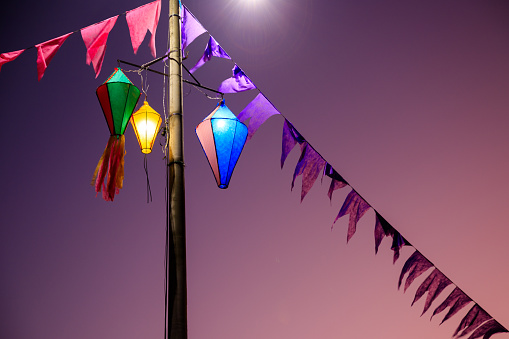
222,137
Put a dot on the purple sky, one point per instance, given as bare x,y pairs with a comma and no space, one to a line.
408,101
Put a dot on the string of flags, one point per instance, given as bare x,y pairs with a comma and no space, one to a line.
477,322
139,21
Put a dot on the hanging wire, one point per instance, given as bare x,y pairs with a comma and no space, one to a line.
149,191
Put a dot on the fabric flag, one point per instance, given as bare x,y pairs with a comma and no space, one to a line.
95,37
141,19
46,51
310,165
356,207
384,229
212,49
397,243
9,56
475,317
415,265
337,180
488,329
258,110
238,83
191,28
290,138
434,284
456,301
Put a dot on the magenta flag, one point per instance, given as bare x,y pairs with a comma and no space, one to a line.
238,83
95,37
310,165
141,19
290,138
356,207
258,111
415,265
456,301
9,56
191,28
212,49
46,51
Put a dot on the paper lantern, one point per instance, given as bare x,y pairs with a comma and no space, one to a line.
222,137
146,122
118,98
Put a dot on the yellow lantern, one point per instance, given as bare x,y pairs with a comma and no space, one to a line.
146,122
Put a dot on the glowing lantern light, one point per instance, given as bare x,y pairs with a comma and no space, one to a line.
146,122
118,98
222,137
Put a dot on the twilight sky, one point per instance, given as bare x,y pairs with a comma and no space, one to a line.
407,100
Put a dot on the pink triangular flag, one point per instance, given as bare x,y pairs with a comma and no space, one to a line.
95,37
9,56
46,51
140,20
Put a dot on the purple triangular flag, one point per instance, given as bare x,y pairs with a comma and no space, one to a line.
415,265
258,110
290,138
238,83
456,301
475,317
337,181
212,49
356,207
310,165
434,284
488,329
191,28
397,243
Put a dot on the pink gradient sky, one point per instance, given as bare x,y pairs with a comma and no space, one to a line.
407,100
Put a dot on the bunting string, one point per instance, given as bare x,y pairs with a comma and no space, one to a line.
139,20
477,322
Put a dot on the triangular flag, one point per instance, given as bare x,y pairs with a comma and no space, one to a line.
456,301
95,37
258,110
191,28
356,207
415,265
9,56
141,19
488,329
46,51
290,138
337,181
310,165
212,49
238,83
475,317
434,284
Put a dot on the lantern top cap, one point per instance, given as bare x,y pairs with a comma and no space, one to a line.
221,112
118,76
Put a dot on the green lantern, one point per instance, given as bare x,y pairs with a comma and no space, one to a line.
118,98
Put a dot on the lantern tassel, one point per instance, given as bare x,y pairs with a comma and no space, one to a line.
112,164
